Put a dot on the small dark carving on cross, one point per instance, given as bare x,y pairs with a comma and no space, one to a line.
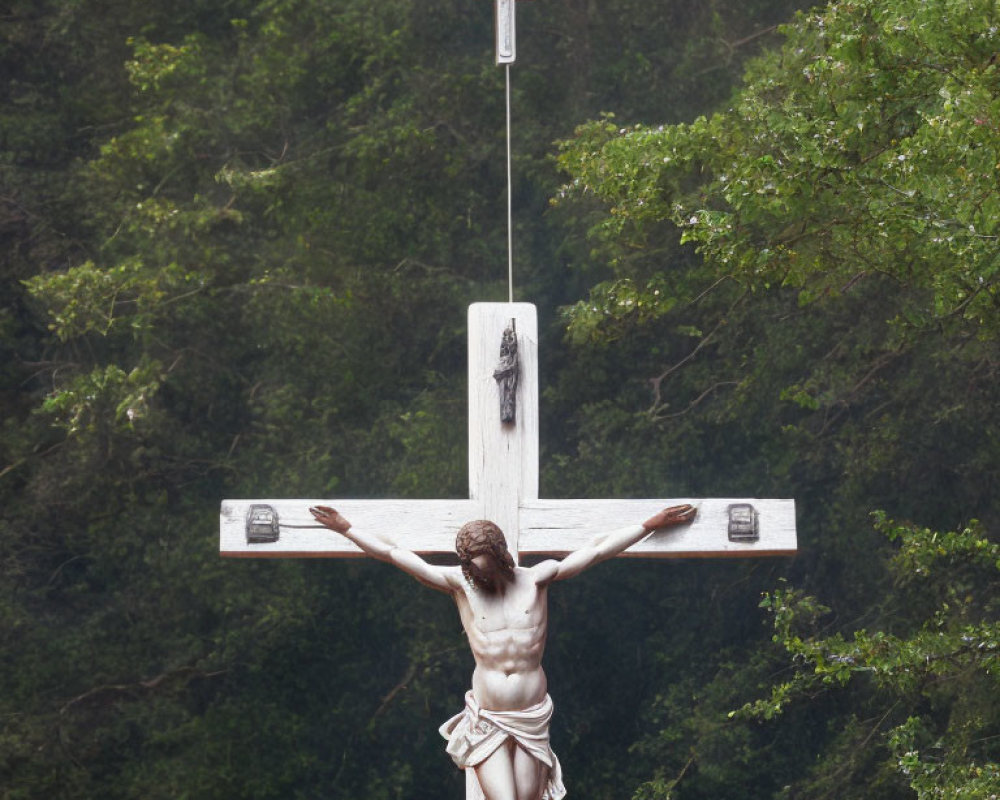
506,375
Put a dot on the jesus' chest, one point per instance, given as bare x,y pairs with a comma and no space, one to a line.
519,605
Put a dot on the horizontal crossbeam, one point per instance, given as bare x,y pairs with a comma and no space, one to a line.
557,527
424,526
548,527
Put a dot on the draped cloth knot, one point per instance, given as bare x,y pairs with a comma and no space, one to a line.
475,733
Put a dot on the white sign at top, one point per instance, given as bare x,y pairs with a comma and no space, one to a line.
506,39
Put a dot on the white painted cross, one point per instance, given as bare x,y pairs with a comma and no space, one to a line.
503,487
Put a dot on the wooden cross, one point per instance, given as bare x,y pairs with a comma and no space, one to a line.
503,487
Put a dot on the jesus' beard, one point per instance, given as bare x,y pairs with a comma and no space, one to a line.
487,581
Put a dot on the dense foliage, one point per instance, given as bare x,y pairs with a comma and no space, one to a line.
839,313
238,242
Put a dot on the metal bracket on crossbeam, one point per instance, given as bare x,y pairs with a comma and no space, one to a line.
263,525
743,525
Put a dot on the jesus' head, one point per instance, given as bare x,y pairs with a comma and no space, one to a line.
482,551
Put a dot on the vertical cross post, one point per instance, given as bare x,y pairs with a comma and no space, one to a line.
503,457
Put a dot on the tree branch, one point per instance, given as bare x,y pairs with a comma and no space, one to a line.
139,686
696,401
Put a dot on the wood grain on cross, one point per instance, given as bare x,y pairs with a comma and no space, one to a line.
503,487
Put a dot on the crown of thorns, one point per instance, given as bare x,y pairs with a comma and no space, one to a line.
482,537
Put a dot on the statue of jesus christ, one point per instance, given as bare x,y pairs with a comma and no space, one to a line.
501,738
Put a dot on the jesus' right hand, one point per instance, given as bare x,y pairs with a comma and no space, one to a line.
330,518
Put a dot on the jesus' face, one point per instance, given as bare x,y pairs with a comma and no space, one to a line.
482,550
486,573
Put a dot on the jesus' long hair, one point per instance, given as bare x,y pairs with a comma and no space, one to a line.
483,538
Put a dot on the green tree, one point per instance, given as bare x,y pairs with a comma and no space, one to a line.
808,277
932,682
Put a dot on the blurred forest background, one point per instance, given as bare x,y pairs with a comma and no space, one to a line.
238,241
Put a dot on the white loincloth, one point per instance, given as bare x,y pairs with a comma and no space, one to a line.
475,733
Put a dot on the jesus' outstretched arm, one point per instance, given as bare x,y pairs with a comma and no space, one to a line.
611,544
384,549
